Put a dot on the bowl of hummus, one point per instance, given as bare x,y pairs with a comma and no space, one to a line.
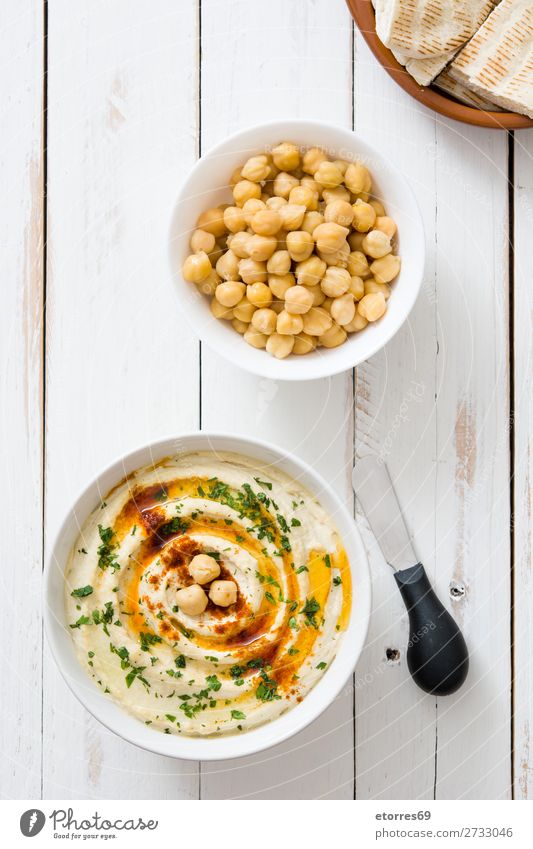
207,596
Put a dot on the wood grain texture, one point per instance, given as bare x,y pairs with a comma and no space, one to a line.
449,452
122,365
21,385
281,59
523,466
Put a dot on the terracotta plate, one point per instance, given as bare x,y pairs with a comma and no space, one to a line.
363,14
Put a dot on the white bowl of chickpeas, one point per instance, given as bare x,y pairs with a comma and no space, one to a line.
297,250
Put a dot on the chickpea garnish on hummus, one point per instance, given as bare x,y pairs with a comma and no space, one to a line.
207,594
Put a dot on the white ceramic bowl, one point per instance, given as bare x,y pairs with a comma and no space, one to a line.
130,728
207,186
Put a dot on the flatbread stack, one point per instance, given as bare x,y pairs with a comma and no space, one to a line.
479,51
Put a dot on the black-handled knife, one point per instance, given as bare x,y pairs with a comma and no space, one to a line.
437,656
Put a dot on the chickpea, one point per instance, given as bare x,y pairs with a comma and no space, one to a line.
279,262
298,300
316,321
357,287
264,320
250,207
386,268
234,219
256,169
299,245
239,244
355,240
286,156
372,286
203,569
328,175
292,215
339,258
259,295
338,193
228,266
378,207
311,271
343,309
276,202
385,224
329,237
191,600
303,196
340,212
244,190
280,346
201,240
212,221
280,283
312,159
376,244
357,264
358,323
318,295
261,248
230,293
240,326
357,178
252,271
235,177
311,221
333,337
284,183
266,222
209,285
255,338
336,282
364,197
341,164
196,267
223,593
244,310
219,311
372,306
363,216
309,183
326,304
289,324
304,344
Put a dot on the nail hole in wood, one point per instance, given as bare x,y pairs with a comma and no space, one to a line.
457,590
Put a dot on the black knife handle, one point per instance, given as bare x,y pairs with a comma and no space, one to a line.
437,655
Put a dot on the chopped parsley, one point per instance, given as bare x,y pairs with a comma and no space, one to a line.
180,661
148,640
337,581
321,665
81,592
238,714
309,610
106,558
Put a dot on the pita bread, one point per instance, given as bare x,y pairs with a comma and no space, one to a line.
422,29
464,95
498,61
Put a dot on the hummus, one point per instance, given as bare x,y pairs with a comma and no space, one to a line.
227,669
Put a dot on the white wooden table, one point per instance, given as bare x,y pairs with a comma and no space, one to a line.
105,106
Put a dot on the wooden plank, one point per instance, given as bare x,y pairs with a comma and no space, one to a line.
472,495
289,59
455,347
395,418
21,343
121,363
523,466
